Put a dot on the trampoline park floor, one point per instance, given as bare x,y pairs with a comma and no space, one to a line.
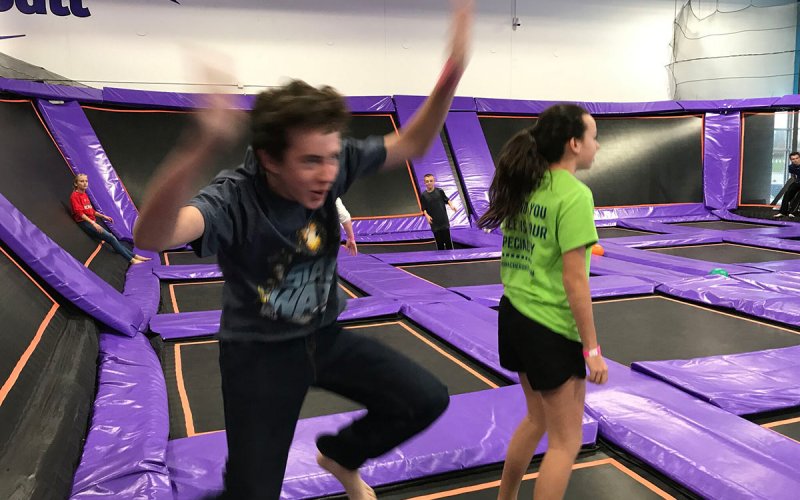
657,328
191,369
618,232
454,274
727,253
598,474
206,295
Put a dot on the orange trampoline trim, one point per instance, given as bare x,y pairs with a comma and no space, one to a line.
533,475
23,360
432,346
172,290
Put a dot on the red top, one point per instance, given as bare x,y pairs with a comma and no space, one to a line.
81,206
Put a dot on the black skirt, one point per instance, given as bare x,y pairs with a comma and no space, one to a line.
547,358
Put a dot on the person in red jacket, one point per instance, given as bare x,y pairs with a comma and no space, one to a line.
86,216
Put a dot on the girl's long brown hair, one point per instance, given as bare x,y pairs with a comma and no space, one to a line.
526,157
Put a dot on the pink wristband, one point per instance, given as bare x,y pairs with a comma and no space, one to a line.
592,353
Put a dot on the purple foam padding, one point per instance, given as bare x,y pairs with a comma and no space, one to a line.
476,238
364,227
474,431
126,446
468,326
395,237
739,295
779,265
666,240
471,154
600,286
185,325
727,104
759,240
658,226
158,99
143,288
187,272
459,254
49,91
461,103
434,162
84,153
670,262
604,266
379,279
788,100
149,98
370,307
743,384
724,214
637,212
714,453
513,106
66,275
780,281
721,160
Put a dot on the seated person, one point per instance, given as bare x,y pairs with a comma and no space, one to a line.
86,217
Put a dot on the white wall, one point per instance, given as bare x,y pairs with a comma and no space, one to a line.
597,50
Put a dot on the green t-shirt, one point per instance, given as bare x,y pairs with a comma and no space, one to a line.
558,217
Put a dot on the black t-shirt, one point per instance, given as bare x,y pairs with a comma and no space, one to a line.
434,203
278,258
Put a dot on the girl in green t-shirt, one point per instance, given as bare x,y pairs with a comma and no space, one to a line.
546,329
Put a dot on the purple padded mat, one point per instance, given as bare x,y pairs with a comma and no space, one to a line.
712,452
473,158
671,262
142,287
735,294
524,107
476,238
125,451
666,240
601,286
603,265
66,275
474,431
459,254
379,279
366,227
731,104
746,383
187,272
50,91
721,151
677,210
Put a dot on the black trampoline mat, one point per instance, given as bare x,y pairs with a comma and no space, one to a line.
618,232
596,476
186,257
199,379
720,225
786,422
351,291
191,296
402,246
727,253
452,274
657,328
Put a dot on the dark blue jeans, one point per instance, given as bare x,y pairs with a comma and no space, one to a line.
108,238
264,385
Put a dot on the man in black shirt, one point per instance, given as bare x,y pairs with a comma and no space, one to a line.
433,201
273,225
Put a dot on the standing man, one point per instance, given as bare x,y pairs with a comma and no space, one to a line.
789,204
433,202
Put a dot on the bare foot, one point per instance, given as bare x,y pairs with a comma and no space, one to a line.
354,486
143,259
135,261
